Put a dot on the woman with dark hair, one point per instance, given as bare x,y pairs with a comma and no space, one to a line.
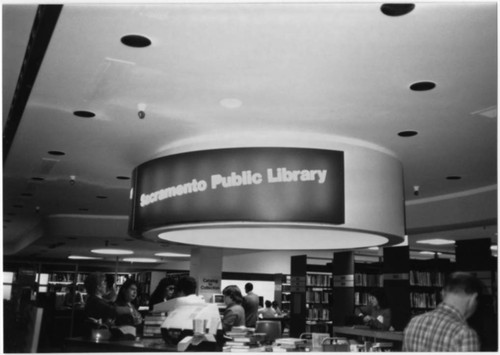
126,313
234,315
163,292
377,315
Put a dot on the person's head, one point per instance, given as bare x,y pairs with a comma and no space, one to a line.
268,304
462,290
128,291
248,287
95,284
378,299
166,287
186,286
232,294
275,304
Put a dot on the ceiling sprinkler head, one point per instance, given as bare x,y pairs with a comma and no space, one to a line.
416,190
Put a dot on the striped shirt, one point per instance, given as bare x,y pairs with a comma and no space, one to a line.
443,329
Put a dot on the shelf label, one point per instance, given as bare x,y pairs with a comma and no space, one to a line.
343,280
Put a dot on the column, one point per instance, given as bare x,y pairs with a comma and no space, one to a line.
206,268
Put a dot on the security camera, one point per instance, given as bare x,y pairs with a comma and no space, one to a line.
416,190
142,110
72,179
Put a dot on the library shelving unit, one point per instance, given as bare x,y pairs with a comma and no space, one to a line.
310,295
367,276
282,292
426,282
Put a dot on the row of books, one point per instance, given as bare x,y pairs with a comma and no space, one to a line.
317,297
319,280
362,298
318,313
152,325
369,280
425,278
423,300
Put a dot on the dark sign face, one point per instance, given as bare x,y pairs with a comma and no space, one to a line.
276,185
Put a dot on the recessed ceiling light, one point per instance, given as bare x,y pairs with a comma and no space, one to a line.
84,114
407,133
429,253
173,255
81,257
27,194
136,41
109,251
436,241
141,260
455,177
123,178
102,197
396,9
83,209
37,178
422,86
373,248
18,206
56,152
231,103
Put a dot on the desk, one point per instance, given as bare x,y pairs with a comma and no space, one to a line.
375,334
83,344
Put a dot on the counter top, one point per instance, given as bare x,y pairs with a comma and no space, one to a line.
376,334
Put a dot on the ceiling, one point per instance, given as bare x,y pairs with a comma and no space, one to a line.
231,72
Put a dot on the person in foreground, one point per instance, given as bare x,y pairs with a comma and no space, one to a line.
234,315
97,309
251,305
445,328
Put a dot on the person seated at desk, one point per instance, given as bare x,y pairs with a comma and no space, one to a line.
163,292
126,312
98,310
377,315
277,308
268,311
73,297
185,294
234,314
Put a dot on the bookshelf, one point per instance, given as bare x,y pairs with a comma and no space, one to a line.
310,296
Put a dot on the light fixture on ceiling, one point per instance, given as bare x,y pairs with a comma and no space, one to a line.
436,241
373,248
494,247
407,133
141,260
173,255
422,86
396,9
111,251
425,252
81,257
136,41
84,114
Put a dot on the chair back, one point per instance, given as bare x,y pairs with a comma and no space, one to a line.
271,328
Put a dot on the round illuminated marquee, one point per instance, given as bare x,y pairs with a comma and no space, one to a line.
271,198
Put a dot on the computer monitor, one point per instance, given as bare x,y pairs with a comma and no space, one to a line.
218,298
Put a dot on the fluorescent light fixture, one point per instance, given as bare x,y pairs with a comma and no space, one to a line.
81,257
436,241
373,248
109,251
141,260
283,237
8,277
494,247
173,255
429,253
